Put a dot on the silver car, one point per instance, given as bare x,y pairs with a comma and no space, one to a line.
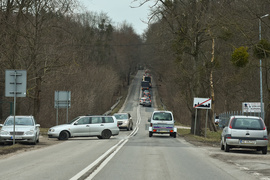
102,127
124,121
245,132
26,130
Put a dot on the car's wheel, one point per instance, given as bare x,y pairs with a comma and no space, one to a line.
174,134
128,128
106,134
221,145
226,147
63,135
99,137
150,134
264,150
34,143
131,128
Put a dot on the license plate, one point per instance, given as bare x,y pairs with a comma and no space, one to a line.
161,130
247,142
16,137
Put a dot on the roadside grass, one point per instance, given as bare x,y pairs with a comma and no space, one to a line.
44,131
211,136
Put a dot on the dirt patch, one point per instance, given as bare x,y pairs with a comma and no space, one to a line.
9,149
196,142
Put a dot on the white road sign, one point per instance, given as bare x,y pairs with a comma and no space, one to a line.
202,103
251,107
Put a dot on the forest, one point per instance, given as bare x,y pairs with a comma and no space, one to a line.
211,49
63,50
206,48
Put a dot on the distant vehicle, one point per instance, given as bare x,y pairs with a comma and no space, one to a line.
245,132
26,130
162,122
148,78
102,127
147,71
145,85
146,93
142,100
124,121
216,120
147,102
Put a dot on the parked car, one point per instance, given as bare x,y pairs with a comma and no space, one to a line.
147,102
245,132
124,121
162,122
102,127
26,130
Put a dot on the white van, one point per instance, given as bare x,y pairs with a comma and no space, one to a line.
162,122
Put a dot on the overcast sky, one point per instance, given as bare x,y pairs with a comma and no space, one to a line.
121,10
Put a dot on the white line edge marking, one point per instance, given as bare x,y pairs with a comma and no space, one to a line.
105,161
114,148
81,173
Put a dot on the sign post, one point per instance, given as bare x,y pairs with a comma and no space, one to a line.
202,103
62,99
15,86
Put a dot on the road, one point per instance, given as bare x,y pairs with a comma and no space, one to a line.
130,155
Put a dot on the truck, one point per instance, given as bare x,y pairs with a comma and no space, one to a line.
145,85
162,122
149,79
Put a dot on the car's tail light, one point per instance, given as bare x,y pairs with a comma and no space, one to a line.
154,130
231,123
171,130
263,124
228,136
265,138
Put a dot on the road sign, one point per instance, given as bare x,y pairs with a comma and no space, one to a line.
62,99
251,107
15,83
202,103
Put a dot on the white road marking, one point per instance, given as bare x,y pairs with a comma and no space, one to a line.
110,153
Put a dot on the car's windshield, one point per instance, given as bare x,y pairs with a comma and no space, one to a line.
23,121
72,121
247,123
162,116
121,116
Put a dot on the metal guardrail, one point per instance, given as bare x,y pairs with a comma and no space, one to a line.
113,107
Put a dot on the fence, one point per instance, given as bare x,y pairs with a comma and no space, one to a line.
224,117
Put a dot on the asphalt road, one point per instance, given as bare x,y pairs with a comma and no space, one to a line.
130,155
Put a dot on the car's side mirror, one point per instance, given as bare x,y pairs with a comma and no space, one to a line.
37,125
76,123
149,120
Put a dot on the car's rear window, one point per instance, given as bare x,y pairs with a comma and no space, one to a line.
108,120
121,116
162,116
247,123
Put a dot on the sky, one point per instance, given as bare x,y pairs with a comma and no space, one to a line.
121,10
